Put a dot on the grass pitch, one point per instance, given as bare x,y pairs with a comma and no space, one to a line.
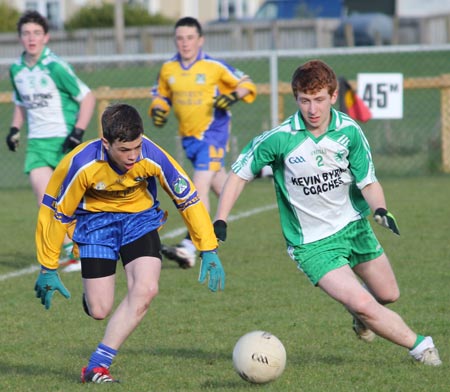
186,341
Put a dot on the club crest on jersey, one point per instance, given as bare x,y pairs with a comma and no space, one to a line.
180,185
100,186
339,156
200,78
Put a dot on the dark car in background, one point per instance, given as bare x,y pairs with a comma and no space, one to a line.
291,9
368,29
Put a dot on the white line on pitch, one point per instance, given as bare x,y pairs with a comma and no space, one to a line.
171,234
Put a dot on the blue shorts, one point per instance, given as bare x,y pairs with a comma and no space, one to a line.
101,235
202,155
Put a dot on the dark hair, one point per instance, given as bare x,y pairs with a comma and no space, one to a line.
32,17
190,22
312,77
121,122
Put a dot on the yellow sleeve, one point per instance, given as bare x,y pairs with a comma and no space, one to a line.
161,93
174,179
55,216
251,87
230,83
200,227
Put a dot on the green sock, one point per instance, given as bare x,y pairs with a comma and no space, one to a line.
68,250
419,340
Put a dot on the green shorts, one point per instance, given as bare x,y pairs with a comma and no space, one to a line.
45,152
354,244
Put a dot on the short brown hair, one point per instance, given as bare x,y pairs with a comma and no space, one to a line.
121,122
312,77
32,17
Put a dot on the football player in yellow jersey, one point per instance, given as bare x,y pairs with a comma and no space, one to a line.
201,90
104,194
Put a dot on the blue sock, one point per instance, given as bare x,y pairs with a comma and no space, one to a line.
102,356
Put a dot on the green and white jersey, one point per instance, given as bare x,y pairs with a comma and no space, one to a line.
317,180
50,92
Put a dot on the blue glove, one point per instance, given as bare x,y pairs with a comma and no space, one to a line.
384,218
211,265
47,282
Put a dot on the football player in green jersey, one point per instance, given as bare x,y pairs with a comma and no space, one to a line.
326,187
56,105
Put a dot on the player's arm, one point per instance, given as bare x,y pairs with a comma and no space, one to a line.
68,83
234,185
75,137
234,82
87,107
374,195
51,229
64,191
160,106
181,190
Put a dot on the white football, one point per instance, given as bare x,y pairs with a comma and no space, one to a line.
259,357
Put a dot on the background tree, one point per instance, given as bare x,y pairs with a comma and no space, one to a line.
103,16
8,17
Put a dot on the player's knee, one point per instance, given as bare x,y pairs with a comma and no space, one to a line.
145,295
390,296
99,311
364,307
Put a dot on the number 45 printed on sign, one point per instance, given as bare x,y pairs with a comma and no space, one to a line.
382,93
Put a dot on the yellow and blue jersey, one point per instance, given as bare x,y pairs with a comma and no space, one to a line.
190,91
87,182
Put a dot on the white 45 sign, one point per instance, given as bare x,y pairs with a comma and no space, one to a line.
382,93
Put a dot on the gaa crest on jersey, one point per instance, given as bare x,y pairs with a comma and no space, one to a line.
200,78
171,80
180,185
339,156
100,186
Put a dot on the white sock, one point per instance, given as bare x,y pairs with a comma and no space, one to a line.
426,343
188,245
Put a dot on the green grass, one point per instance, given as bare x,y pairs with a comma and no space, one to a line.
186,340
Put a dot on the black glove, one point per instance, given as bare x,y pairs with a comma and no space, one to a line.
159,117
12,140
73,139
220,229
386,219
224,101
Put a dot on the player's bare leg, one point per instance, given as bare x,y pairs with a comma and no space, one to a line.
99,296
218,181
343,285
39,179
142,282
379,279
203,180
